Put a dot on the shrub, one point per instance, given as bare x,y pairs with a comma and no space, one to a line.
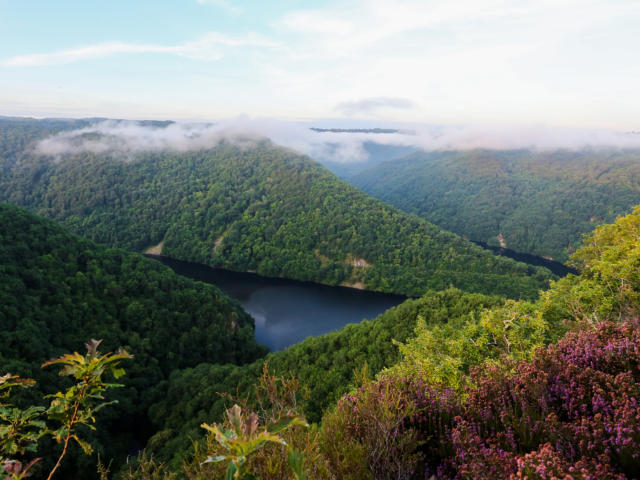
395,427
572,411
272,442
579,396
20,429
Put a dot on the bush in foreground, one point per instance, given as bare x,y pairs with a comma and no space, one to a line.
573,410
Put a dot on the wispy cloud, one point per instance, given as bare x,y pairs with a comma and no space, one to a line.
367,106
355,25
565,62
208,47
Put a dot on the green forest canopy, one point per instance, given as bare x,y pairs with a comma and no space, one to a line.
41,262
539,202
455,334
58,290
259,208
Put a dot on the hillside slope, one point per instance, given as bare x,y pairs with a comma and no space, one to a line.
538,203
325,365
259,208
485,389
58,290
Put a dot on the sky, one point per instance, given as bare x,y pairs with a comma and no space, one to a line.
548,63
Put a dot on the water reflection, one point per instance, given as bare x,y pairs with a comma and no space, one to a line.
287,311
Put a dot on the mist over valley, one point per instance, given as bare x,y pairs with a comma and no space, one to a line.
340,240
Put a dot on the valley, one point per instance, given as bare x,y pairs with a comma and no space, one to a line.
287,311
254,207
537,202
338,240
258,244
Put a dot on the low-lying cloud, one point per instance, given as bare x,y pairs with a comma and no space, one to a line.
540,138
126,138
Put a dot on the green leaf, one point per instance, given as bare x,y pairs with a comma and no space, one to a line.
231,472
296,463
285,423
86,446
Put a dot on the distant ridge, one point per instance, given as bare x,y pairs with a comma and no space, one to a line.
262,208
539,202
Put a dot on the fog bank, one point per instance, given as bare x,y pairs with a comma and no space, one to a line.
128,138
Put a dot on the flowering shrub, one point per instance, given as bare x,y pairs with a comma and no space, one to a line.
571,412
549,463
580,396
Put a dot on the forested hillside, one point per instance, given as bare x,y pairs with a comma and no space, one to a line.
258,208
537,202
324,366
482,388
568,410
485,389
58,290
18,136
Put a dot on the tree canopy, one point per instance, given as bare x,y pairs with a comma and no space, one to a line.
57,290
538,202
258,208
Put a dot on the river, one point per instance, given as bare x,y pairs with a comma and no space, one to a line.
288,311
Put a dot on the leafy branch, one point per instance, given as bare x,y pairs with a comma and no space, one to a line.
20,429
244,439
80,402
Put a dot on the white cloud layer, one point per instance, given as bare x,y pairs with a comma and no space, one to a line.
128,138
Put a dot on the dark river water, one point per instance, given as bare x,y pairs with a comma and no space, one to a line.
288,311
558,268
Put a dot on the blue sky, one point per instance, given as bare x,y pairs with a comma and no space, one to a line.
497,62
